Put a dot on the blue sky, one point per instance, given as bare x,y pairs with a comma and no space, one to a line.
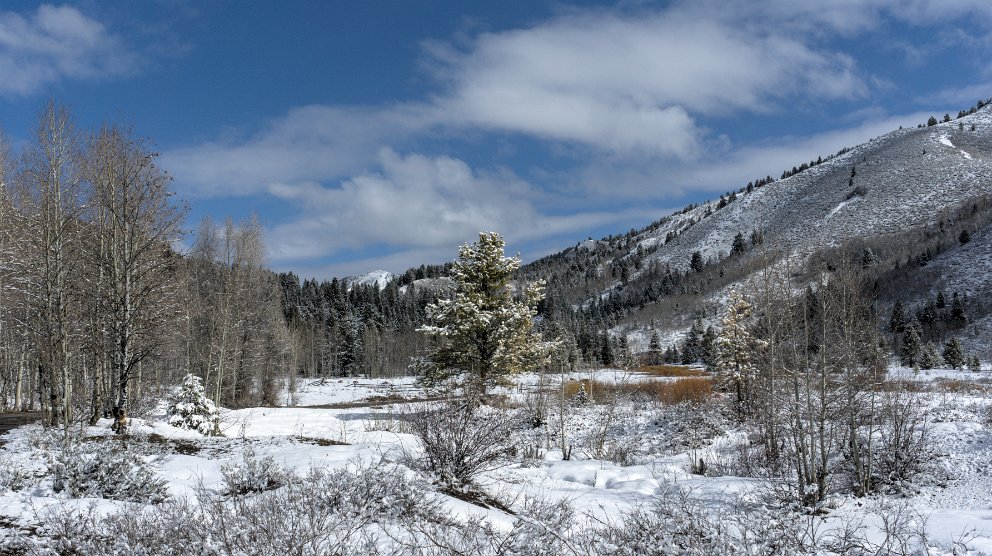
384,134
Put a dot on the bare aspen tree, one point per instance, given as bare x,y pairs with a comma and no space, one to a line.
11,378
241,333
136,223
52,200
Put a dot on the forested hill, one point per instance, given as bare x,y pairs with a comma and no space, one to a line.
901,200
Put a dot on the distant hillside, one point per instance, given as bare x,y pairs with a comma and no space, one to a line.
904,197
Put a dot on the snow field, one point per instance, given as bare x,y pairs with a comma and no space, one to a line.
652,448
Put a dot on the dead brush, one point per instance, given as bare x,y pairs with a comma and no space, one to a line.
695,390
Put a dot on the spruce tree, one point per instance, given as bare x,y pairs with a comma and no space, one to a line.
897,322
928,357
191,409
654,348
483,333
710,348
697,262
737,349
692,349
739,246
953,354
909,352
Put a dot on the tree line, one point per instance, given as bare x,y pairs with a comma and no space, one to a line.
98,305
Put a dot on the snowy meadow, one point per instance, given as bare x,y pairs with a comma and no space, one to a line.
593,462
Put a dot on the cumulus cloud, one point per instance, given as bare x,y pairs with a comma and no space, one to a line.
55,43
414,201
631,82
311,143
623,96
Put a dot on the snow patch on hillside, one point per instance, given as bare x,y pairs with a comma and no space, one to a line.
379,278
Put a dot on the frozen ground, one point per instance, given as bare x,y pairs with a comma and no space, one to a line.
623,457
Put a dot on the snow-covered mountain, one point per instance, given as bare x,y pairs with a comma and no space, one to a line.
379,278
904,195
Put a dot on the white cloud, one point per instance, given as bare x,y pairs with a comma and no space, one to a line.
623,92
55,43
417,202
311,143
631,82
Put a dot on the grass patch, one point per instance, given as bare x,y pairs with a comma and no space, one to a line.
693,389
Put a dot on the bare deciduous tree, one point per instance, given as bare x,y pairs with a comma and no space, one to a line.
136,223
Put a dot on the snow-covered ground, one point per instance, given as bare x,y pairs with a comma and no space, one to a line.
623,457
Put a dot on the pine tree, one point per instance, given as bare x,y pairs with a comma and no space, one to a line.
482,332
581,397
191,409
692,348
897,322
739,246
909,352
697,262
958,318
654,348
710,348
953,354
928,357
737,351
606,356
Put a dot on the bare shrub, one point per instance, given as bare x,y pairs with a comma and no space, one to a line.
105,469
678,523
460,441
904,447
12,475
253,474
338,512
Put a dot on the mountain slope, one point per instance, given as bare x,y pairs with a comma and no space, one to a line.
902,197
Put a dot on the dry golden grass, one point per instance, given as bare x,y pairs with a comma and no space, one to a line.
693,389
678,371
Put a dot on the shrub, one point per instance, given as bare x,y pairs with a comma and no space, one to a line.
105,469
253,474
191,409
460,441
693,389
337,512
12,476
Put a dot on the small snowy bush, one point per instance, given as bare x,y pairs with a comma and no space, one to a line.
12,476
191,409
371,511
106,469
460,441
253,474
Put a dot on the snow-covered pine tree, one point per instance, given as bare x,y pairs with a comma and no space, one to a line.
654,348
909,352
928,357
484,332
191,409
953,354
692,348
581,397
737,350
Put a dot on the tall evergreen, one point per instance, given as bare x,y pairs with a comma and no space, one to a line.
909,352
482,332
953,354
